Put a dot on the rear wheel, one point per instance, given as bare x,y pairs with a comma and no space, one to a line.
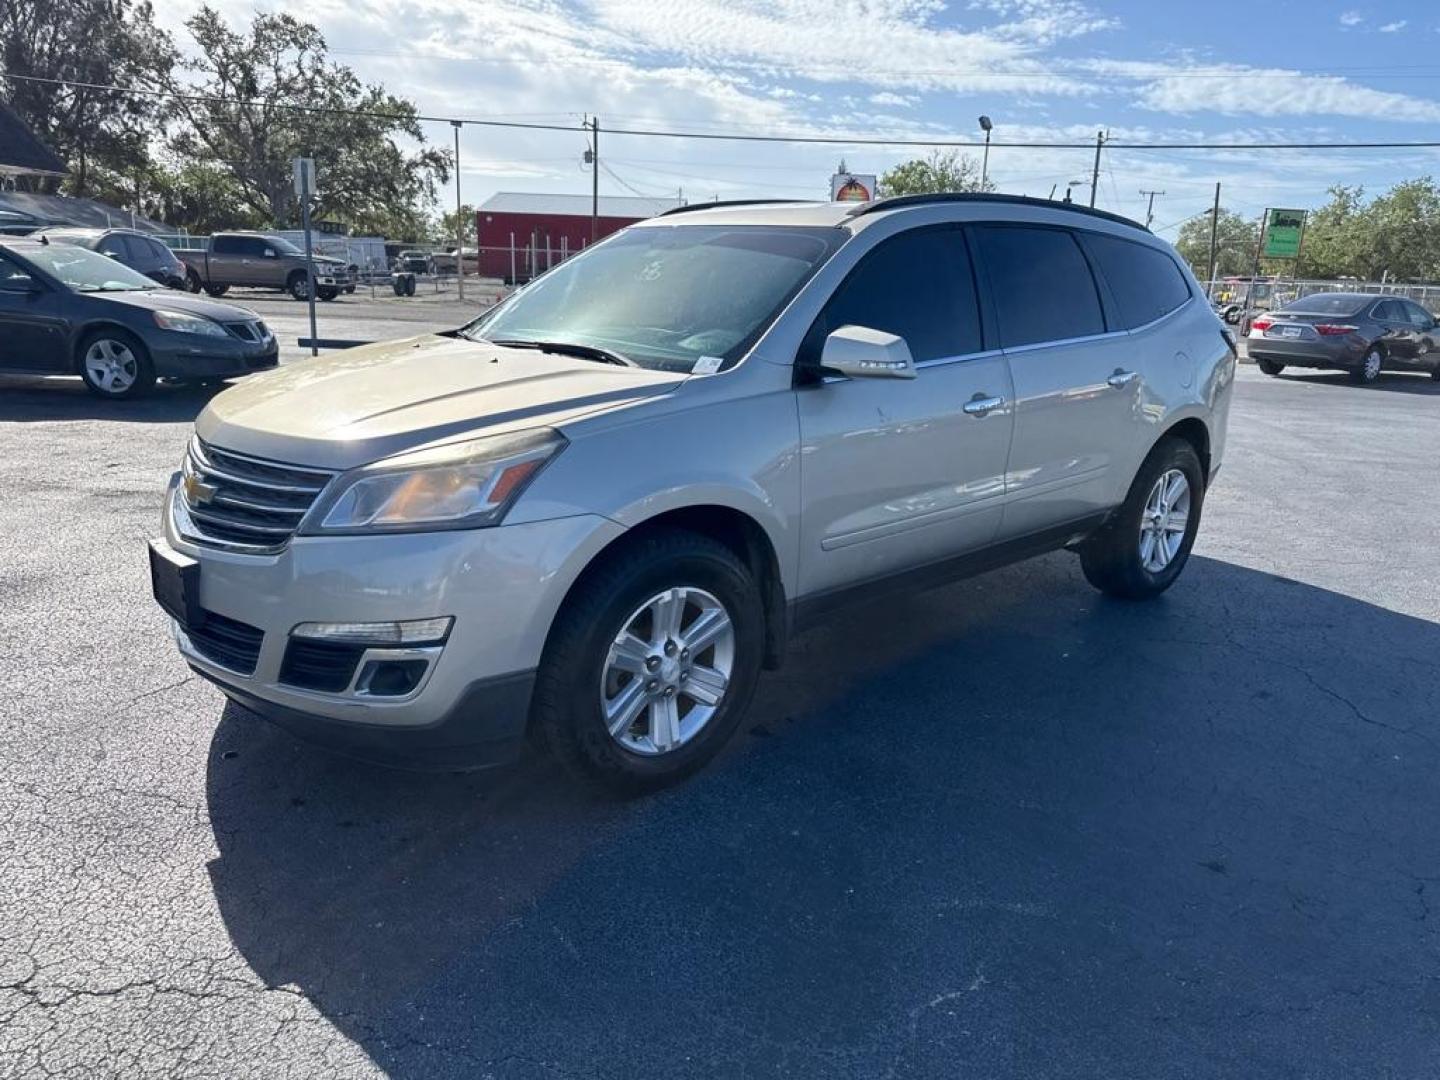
1140,552
216,291
651,664
193,282
1369,369
1270,367
114,364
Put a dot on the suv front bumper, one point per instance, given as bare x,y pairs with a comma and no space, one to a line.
502,586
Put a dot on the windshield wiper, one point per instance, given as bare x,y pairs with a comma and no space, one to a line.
569,348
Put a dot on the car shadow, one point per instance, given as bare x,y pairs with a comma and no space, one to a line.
26,398
1394,382
1004,828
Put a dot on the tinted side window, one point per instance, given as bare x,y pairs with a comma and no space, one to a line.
113,246
1146,283
1419,317
227,245
138,252
1387,311
1042,284
919,285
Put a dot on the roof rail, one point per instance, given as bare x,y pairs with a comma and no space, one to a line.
898,201
730,202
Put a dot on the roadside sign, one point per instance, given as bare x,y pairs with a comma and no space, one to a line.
304,169
852,187
1283,232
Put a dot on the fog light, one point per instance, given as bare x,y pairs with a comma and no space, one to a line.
390,678
414,632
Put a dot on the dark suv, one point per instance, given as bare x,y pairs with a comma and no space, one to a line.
136,250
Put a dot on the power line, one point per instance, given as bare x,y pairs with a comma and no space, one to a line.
661,133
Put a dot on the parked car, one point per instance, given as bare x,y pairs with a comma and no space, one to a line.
1360,333
599,510
262,261
415,262
129,246
67,310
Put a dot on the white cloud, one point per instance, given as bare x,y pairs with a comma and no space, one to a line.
1351,18
899,101
1394,27
1236,90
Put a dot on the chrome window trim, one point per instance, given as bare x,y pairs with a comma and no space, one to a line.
958,358
1011,350
1156,322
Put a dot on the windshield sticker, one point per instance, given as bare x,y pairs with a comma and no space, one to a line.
707,365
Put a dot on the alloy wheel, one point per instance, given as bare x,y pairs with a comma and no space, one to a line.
1372,365
667,671
111,365
1164,521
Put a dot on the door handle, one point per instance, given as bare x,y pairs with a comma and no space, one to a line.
1122,379
980,405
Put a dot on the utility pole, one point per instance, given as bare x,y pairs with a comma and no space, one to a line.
595,179
460,222
1150,207
1214,241
1095,173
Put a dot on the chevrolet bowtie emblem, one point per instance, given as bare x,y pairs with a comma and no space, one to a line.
197,492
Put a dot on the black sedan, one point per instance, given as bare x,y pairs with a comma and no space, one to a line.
66,310
1360,333
129,246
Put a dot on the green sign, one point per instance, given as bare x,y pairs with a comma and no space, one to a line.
1283,230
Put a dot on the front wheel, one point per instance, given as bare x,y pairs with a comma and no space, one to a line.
193,282
115,365
327,294
651,664
1270,367
1140,552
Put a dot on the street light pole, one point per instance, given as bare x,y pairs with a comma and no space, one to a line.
985,126
459,221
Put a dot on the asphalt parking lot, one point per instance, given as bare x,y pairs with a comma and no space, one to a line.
1003,829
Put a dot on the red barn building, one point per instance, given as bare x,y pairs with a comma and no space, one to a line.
537,231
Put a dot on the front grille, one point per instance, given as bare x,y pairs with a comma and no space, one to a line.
245,503
320,665
253,330
228,642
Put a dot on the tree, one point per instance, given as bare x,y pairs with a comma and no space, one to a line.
251,102
947,170
103,135
1236,238
1395,236
444,229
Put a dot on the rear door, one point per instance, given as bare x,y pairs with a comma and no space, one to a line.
32,326
227,260
1078,387
896,473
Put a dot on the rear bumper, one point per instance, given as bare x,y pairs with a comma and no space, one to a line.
1344,353
484,728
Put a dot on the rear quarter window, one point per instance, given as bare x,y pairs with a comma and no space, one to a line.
1145,282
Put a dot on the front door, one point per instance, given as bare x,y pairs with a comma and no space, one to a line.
1077,388
32,330
896,473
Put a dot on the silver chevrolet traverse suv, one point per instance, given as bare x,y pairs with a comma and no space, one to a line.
596,512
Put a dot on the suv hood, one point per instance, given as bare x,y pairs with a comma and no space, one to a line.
360,405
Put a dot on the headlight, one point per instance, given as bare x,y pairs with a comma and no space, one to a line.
186,323
458,486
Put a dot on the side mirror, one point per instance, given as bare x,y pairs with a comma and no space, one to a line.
861,353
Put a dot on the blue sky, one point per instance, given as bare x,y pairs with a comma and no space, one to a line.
1056,70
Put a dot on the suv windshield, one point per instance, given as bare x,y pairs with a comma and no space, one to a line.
666,296
85,270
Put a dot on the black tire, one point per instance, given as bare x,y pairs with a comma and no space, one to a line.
349,290
1111,558
1435,374
216,291
298,286
1370,368
566,711
327,294
193,282
410,285
140,369
1270,367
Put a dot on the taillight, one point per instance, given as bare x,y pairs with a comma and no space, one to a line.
1262,324
1334,329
